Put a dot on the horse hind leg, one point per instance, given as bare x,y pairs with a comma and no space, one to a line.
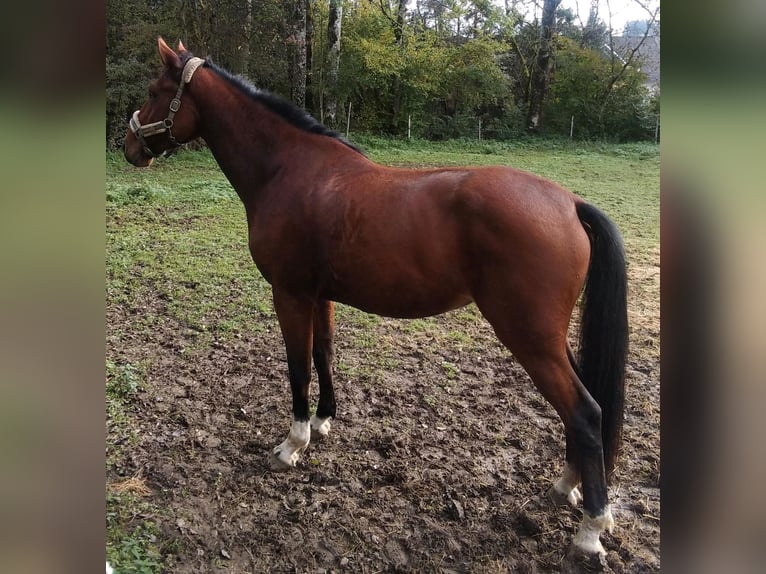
581,416
539,344
564,491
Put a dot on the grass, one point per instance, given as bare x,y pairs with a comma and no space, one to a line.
132,536
177,259
122,384
133,539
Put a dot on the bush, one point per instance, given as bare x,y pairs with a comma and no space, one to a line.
580,89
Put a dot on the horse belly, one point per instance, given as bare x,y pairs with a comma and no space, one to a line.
406,294
403,307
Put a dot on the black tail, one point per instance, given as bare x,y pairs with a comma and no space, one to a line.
604,327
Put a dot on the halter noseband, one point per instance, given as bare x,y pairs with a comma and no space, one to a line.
143,132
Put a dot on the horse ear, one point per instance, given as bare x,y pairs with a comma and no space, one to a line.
181,47
168,57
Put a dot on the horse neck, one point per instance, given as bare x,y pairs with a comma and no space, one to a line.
242,135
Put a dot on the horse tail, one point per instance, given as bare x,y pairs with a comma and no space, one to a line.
604,327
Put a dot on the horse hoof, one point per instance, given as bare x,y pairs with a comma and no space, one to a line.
587,540
559,499
578,560
276,464
320,428
317,435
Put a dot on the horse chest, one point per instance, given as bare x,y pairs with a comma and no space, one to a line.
283,255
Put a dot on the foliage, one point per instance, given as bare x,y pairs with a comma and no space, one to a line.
123,382
437,68
583,77
126,82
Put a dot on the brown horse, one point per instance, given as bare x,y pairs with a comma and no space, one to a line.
327,224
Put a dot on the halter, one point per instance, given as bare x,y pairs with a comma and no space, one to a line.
143,132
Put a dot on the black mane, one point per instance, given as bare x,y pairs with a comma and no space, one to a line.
280,106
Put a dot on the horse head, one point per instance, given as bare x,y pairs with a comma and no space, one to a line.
162,123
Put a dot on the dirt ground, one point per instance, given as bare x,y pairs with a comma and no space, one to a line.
438,461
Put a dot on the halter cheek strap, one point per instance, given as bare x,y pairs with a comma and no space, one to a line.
145,131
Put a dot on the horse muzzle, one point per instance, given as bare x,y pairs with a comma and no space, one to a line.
134,152
155,128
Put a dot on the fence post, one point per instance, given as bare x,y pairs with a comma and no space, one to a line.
409,126
657,130
479,129
571,128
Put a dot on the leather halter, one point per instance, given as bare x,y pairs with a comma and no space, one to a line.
155,128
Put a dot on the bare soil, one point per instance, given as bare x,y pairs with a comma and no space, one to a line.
439,460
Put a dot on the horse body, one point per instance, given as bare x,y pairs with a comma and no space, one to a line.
327,224
404,243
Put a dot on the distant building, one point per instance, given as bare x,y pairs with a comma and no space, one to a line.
646,58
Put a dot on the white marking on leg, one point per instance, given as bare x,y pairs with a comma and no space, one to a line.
587,538
320,427
566,486
289,452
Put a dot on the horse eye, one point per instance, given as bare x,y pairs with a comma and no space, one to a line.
152,94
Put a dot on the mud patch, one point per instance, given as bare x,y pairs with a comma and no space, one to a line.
439,458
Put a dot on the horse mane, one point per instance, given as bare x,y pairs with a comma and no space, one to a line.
279,105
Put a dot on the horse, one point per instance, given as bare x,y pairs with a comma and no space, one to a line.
326,224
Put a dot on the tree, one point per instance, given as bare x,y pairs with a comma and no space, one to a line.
297,41
310,104
619,70
541,76
473,88
247,35
638,27
581,77
401,12
445,63
595,33
334,30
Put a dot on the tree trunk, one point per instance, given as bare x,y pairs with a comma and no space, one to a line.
333,61
246,33
401,12
309,55
297,42
541,77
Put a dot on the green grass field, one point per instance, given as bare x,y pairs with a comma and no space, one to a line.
176,233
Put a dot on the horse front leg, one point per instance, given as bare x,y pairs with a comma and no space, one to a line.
323,353
295,320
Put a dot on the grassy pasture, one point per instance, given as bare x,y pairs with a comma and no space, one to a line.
177,256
